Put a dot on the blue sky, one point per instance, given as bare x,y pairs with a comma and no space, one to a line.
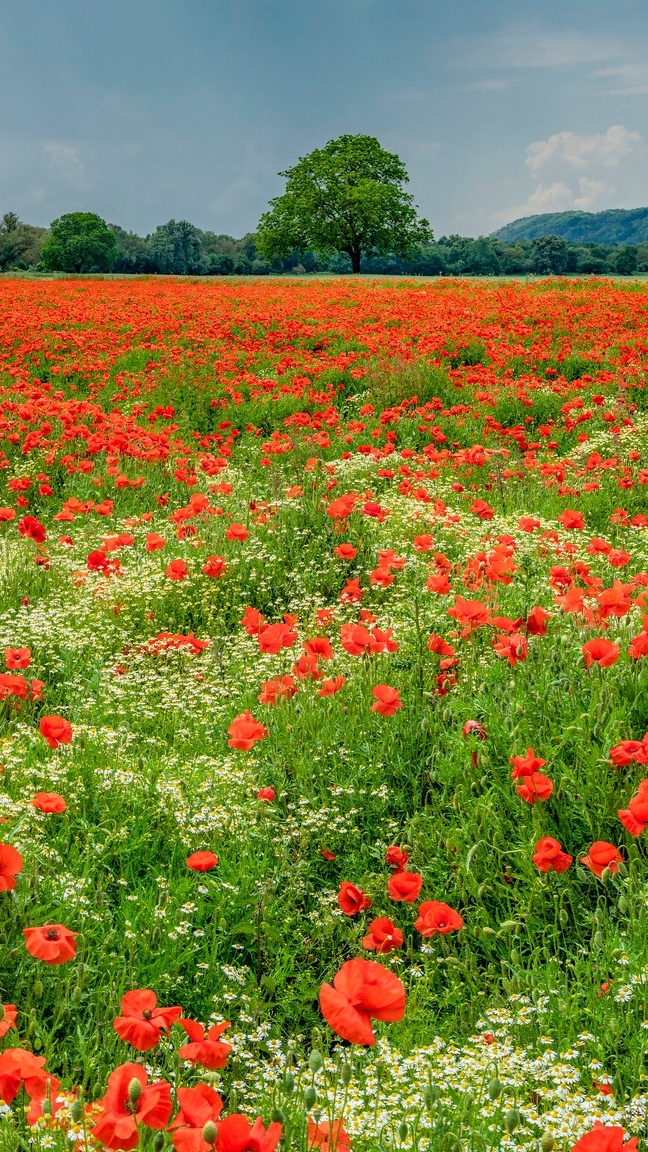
143,110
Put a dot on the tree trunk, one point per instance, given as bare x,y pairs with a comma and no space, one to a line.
355,259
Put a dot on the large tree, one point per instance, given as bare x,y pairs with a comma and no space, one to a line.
345,197
79,242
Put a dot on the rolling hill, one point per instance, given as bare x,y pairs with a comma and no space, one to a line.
614,226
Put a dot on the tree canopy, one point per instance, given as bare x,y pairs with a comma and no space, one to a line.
79,242
345,197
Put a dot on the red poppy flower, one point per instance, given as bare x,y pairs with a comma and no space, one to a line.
601,652
274,637
327,1137
141,1023
237,532
177,570
526,765
244,731
549,856
474,728
53,943
635,817
388,700
206,1048
154,542
30,527
331,685
396,858
345,551
630,751
434,917
8,1016
604,1138
19,1068
202,861
198,1106
362,990
405,886
16,658
281,688
513,648
118,1127
534,787
482,509
11,863
536,622
351,899
48,802
215,566
319,646
56,730
267,794
571,518
602,855
383,936
235,1134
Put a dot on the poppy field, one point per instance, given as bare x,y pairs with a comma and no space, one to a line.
323,715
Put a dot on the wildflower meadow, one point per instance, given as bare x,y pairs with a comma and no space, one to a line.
323,715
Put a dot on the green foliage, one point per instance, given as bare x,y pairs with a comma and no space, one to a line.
20,244
549,255
79,242
613,226
346,197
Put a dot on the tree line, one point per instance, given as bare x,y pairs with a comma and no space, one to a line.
179,248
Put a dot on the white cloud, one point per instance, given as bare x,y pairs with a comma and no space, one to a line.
578,151
573,171
629,79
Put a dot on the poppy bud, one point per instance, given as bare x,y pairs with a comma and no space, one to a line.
622,904
494,1089
288,1082
488,931
158,1142
481,891
515,956
599,939
233,1101
511,1120
605,875
508,925
316,1038
38,989
547,1142
310,1096
209,1132
563,916
346,1074
430,1097
134,1090
621,868
76,1111
278,1117
402,1130
315,1061
77,996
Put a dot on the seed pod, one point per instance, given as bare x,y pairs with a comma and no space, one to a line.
76,1111
346,1074
315,1062
511,1120
210,1132
134,1090
310,1096
494,1089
